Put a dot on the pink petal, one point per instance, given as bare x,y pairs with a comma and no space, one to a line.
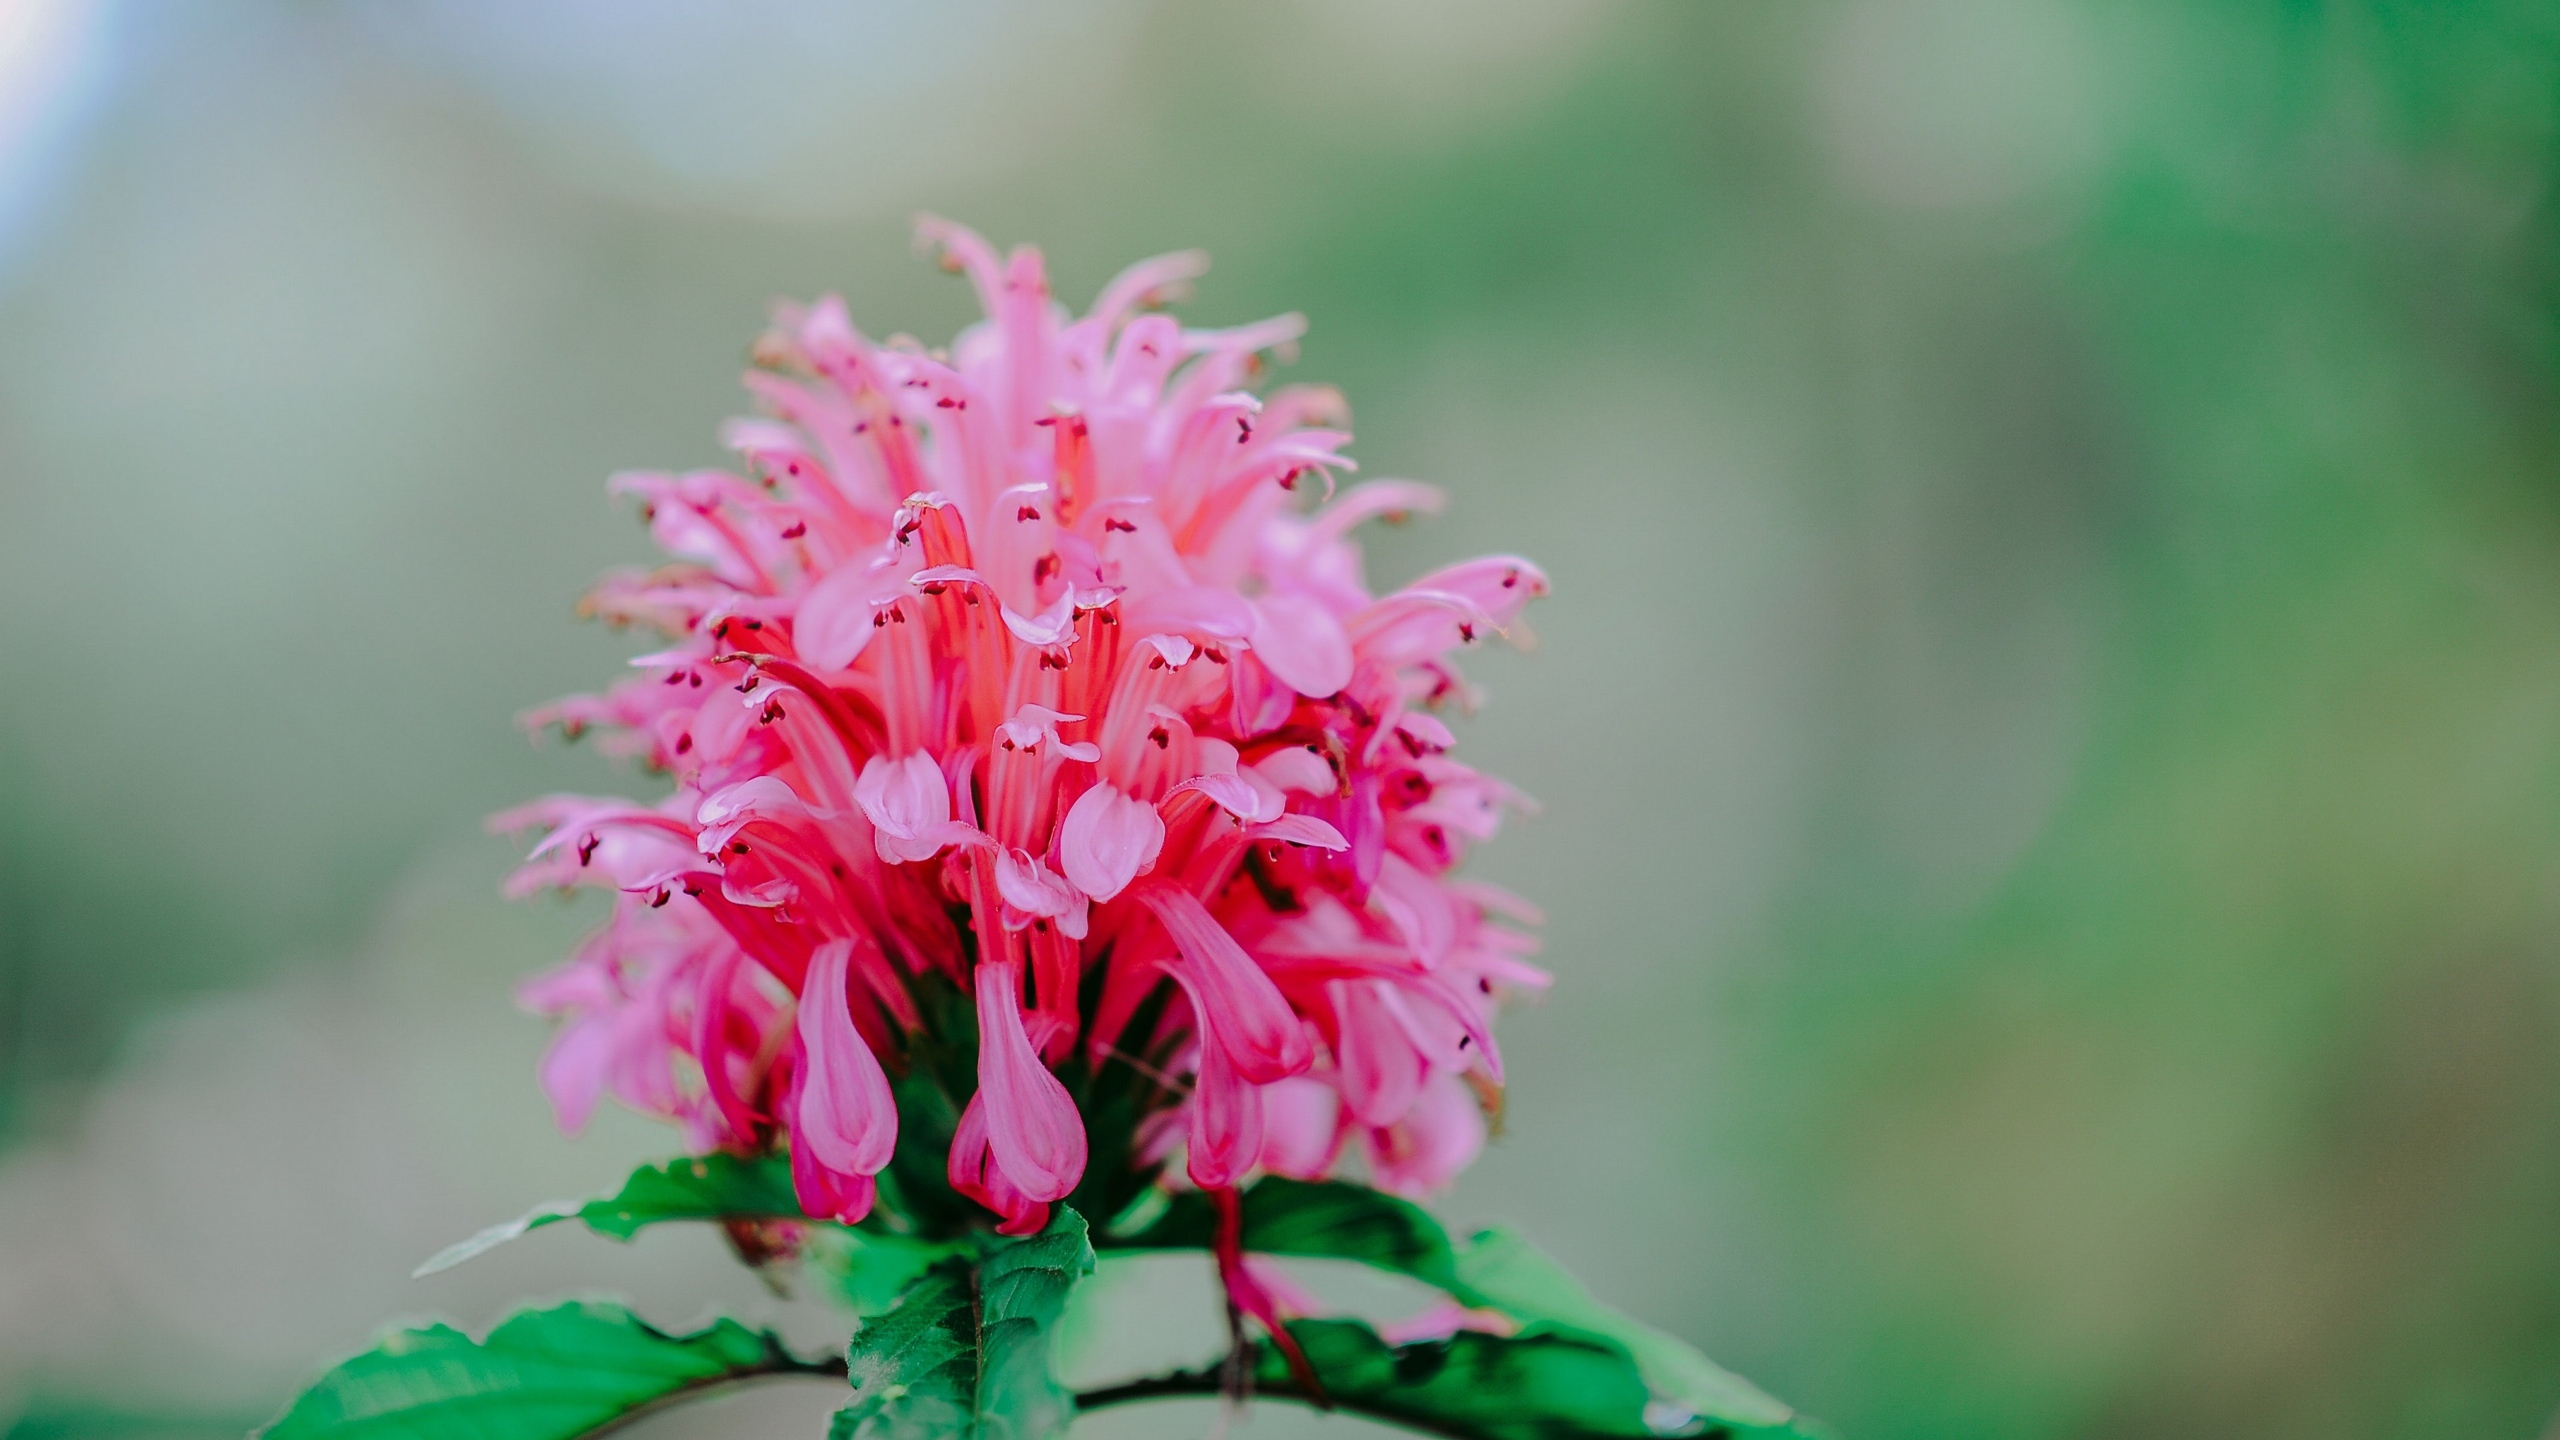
827,1194
1431,1144
1300,830
1192,610
1106,839
1233,793
1242,1012
1033,888
1301,1127
1033,1129
1226,1122
848,1120
908,801
1301,643
1381,1070
1299,768
986,1184
834,622
573,1070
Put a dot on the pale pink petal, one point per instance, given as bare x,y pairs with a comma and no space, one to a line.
1033,1129
1300,642
1381,1070
1242,1012
847,1117
837,616
1226,1123
1301,1127
1300,830
1429,1146
1107,839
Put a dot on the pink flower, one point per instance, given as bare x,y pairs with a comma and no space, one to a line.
1040,677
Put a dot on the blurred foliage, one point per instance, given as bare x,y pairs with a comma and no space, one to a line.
2046,727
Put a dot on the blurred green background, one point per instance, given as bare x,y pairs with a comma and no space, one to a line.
2049,721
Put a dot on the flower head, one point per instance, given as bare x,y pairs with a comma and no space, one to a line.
1036,740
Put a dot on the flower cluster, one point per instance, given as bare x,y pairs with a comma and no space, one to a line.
1028,676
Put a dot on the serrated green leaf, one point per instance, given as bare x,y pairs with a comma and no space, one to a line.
915,1368
966,1356
1499,1270
541,1375
1022,1290
695,1187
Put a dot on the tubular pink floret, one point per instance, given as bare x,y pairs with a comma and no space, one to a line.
1046,671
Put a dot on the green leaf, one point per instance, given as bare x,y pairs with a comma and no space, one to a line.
1497,1270
1482,1387
915,1368
697,1187
966,1356
1502,1270
1330,1219
542,1375
868,1270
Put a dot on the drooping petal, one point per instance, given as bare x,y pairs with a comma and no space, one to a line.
1243,1012
1226,1122
972,1174
829,1194
848,1119
1033,1129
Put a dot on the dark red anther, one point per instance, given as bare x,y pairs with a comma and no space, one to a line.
1116,523
798,529
684,742
1510,578
737,847
772,712
587,849
658,901
1045,567
1467,632
1160,736
1216,655
752,624
1027,512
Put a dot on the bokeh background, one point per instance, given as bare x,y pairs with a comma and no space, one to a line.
2048,723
